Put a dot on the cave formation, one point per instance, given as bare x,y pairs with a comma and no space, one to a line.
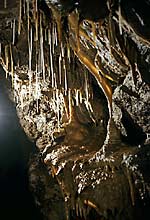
80,80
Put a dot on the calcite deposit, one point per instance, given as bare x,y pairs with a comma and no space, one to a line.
80,81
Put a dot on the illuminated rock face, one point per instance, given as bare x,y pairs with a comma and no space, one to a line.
80,77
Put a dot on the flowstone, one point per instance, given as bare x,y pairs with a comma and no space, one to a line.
80,81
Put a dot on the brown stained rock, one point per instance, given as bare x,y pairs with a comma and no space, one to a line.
85,101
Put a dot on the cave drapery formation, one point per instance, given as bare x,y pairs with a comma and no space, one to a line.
80,74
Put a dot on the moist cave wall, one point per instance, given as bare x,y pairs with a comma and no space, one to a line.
79,73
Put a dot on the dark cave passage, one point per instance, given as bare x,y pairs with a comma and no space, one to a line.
16,201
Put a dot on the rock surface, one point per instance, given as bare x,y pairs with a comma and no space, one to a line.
80,77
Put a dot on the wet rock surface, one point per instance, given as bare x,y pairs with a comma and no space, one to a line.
80,77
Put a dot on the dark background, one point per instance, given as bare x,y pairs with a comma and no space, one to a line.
16,201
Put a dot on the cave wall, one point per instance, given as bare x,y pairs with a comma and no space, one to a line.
80,81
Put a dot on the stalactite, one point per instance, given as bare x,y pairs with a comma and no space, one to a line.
30,43
86,87
42,49
101,81
77,97
58,21
5,3
68,52
30,73
120,19
45,35
55,81
28,17
58,109
36,27
60,69
70,105
51,58
62,50
65,77
55,34
20,16
30,83
6,59
13,31
53,39
87,95
12,66
65,96
23,6
131,186
37,89
34,4
91,204
80,97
